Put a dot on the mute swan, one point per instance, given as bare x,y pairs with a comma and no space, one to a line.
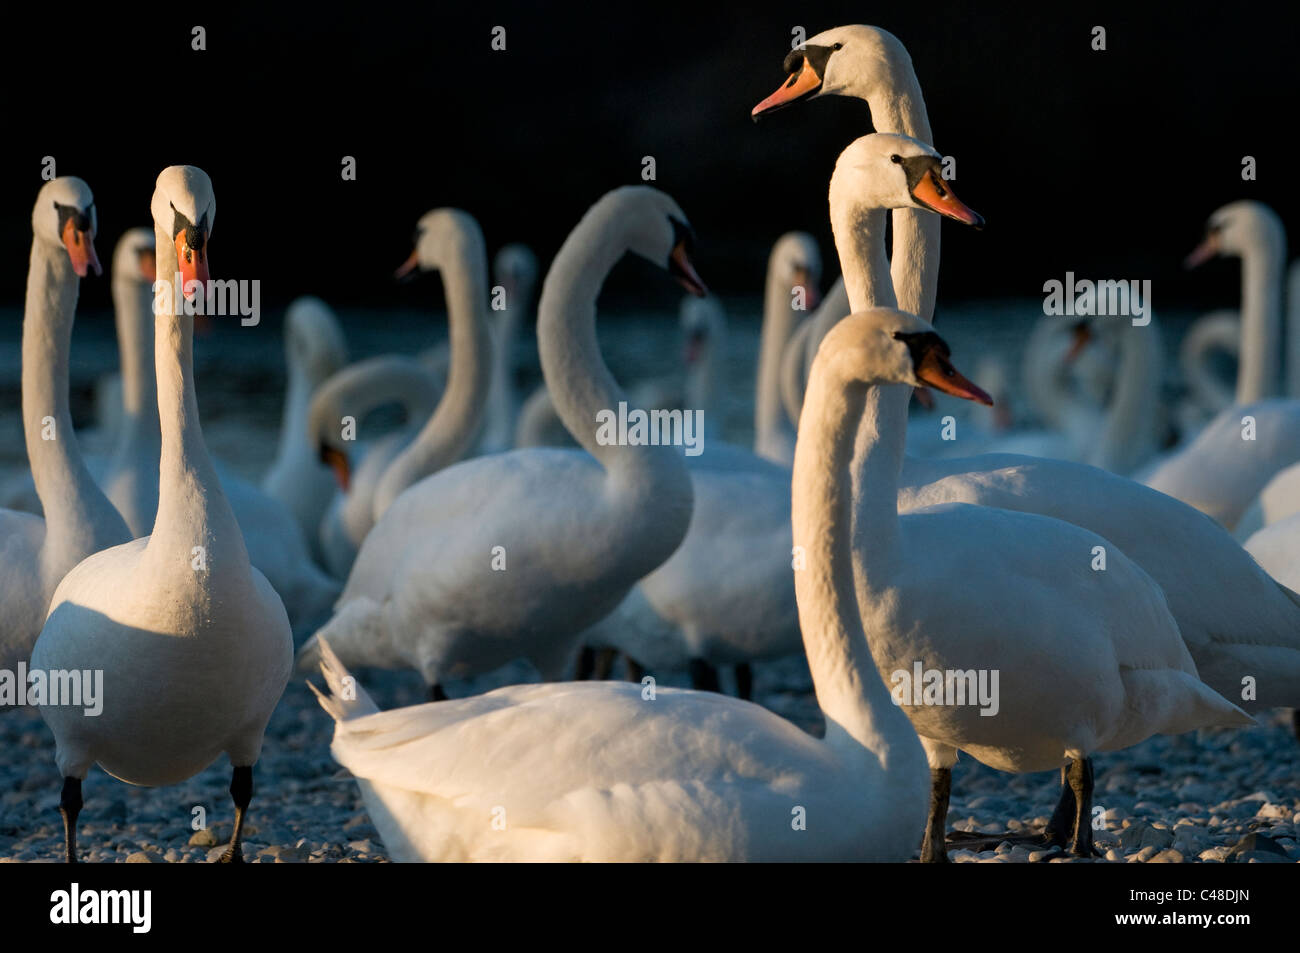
450,242
1224,467
355,392
37,553
794,265
1087,661
512,555
515,268
1207,395
674,775
1236,621
194,644
314,348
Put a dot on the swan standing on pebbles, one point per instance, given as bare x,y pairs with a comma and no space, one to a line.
514,554
680,775
194,644
1235,620
314,348
37,553
1087,661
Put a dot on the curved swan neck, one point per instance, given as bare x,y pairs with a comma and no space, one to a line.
77,514
849,689
1126,437
192,509
1261,318
451,430
133,312
358,389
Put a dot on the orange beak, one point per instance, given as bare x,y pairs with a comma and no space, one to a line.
937,372
1082,335
803,279
1203,252
936,196
407,268
193,261
679,264
81,250
800,85
338,462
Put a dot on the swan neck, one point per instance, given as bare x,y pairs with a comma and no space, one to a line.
857,706
779,320
1261,320
133,312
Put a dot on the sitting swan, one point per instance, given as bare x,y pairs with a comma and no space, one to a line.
193,642
37,553
512,555
606,771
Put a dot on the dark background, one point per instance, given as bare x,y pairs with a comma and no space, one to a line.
1105,163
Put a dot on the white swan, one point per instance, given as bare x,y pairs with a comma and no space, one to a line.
672,775
515,269
793,273
1224,467
1087,662
1232,630
339,407
314,348
450,242
1207,394
512,555
194,644
37,553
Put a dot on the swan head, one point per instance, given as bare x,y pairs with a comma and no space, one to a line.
656,229
515,268
797,262
886,170
703,324
888,346
65,215
133,257
1235,229
843,61
443,236
313,339
184,209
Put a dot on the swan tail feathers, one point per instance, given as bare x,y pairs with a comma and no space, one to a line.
347,699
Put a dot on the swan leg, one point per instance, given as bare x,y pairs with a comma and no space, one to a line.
635,670
1080,777
604,663
744,681
241,792
586,664
1061,826
70,807
933,848
704,677
436,693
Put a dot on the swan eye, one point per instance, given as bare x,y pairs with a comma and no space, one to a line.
896,159
837,46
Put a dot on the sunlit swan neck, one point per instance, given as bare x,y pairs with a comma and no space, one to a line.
1261,317
133,313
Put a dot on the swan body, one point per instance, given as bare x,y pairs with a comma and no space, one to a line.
194,643
36,553
570,532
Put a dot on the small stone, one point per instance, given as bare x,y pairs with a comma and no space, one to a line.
143,857
1256,842
1167,856
203,838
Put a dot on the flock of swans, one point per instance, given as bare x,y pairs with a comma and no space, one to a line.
489,528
